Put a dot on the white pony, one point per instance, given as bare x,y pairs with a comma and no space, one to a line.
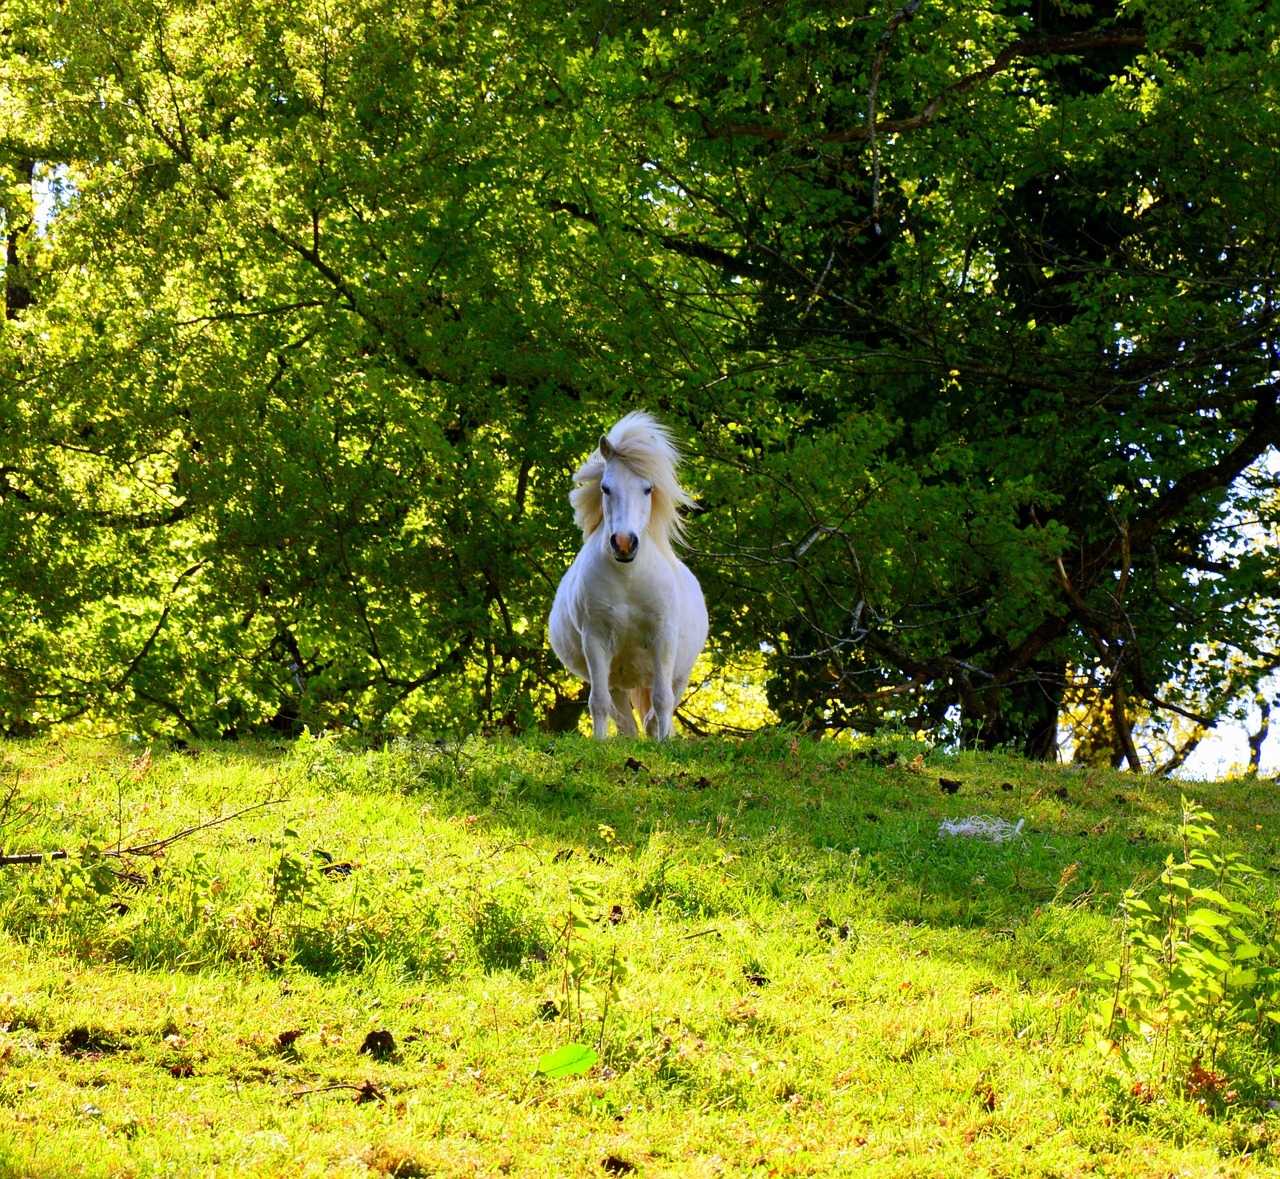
629,617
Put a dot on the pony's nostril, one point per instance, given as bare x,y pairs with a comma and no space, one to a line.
624,545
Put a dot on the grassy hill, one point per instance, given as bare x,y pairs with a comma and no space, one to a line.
782,964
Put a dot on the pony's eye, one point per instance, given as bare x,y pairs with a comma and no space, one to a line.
648,491
605,490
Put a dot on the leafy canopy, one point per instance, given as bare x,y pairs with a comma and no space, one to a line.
966,310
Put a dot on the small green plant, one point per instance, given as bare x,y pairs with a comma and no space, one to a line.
590,976
1199,963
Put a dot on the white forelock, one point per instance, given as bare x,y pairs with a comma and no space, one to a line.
646,446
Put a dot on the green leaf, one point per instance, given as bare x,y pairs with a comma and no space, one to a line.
1214,962
1209,894
566,1062
1206,918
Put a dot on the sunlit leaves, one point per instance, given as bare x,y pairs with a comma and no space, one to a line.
337,298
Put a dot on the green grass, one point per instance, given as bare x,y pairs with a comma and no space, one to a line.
817,983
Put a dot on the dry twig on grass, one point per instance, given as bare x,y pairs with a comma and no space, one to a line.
152,848
366,1091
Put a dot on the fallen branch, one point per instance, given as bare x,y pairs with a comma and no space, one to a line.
367,1091
33,857
142,849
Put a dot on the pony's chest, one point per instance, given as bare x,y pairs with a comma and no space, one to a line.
631,634
630,624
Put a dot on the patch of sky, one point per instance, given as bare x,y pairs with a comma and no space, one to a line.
1226,749
1227,746
51,190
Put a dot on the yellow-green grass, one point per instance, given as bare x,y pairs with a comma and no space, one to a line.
818,982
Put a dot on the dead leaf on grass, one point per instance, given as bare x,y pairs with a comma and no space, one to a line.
984,1094
284,1041
379,1044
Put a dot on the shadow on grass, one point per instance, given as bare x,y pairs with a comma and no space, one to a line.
761,830
839,832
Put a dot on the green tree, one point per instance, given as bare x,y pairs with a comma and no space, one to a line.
301,381
999,370
967,309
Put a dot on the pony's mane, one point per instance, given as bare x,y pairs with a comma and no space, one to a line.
646,446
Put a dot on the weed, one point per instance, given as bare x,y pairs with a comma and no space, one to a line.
590,975
1199,967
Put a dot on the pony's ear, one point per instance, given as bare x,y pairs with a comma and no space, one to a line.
606,448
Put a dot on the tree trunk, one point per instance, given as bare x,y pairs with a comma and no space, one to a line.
1256,739
18,222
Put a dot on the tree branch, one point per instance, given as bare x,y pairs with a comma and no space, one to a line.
151,638
1064,45
699,251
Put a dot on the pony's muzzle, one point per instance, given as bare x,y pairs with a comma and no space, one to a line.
624,545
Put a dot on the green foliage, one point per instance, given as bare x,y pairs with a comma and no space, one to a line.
1199,969
593,972
965,311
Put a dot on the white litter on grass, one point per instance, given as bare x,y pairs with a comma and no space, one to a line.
986,827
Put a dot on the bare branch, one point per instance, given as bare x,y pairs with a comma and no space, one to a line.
142,849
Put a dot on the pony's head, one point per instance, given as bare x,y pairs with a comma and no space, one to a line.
629,486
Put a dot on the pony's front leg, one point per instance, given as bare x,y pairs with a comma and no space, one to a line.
600,701
662,701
